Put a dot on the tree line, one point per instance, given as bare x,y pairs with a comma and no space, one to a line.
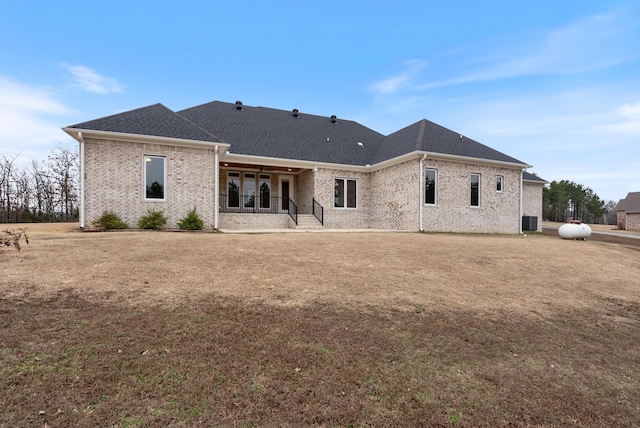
565,200
41,191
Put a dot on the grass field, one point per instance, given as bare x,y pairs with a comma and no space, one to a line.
328,329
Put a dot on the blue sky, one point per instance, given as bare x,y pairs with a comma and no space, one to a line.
555,84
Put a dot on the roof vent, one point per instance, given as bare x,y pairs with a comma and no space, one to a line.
295,112
334,119
238,105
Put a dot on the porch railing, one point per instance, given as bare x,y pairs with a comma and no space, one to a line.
254,204
318,211
293,211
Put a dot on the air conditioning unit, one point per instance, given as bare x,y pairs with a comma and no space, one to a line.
529,223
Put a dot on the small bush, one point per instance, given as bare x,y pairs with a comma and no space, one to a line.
191,221
152,220
109,220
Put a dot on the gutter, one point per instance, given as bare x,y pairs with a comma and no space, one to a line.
521,199
81,207
420,202
216,187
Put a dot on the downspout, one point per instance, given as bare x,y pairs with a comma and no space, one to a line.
521,199
216,196
421,202
81,208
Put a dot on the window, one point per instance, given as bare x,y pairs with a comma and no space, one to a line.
345,193
249,190
499,183
475,190
265,191
233,188
430,186
154,177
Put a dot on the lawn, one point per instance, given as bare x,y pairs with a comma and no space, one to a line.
328,329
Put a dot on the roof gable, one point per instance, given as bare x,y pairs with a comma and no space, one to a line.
630,203
427,136
154,120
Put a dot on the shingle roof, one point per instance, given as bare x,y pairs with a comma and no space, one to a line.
532,177
268,132
275,133
630,203
431,137
155,120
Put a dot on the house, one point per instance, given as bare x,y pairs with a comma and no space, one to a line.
246,167
628,212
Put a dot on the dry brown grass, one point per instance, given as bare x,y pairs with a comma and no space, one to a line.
318,328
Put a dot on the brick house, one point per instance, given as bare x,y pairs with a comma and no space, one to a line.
628,212
247,167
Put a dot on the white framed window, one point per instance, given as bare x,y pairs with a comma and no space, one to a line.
430,186
155,178
475,190
499,183
345,192
264,189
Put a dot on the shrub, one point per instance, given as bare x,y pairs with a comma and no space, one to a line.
191,221
109,220
152,220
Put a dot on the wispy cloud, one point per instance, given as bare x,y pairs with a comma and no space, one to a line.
626,121
395,83
592,43
27,117
89,80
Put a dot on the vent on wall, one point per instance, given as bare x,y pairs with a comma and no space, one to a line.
238,105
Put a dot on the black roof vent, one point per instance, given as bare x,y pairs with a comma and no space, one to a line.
295,112
238,105
334,119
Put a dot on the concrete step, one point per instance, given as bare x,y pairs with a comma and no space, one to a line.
307,221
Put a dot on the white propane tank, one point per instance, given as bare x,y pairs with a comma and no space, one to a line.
574,231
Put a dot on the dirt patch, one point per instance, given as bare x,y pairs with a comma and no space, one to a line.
327,329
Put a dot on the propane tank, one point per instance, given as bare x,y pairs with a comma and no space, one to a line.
574,230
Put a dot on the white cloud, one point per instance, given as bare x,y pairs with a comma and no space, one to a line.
27,121
90,81
395,83
626,121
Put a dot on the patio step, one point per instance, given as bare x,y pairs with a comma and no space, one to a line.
308,221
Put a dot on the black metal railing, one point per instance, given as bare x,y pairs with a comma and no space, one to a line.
254,204
293,211
318,211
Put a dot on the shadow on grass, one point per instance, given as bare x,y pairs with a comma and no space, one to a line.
67,361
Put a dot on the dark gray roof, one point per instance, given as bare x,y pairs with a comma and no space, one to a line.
630,203
155,120
431,137
275,133
268,132
532,177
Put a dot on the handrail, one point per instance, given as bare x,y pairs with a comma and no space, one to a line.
251,204
320,215
293,211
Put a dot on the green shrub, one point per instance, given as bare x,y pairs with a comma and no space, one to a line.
152,220
109,220
191,221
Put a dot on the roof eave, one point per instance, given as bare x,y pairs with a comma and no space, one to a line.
182,142
293,163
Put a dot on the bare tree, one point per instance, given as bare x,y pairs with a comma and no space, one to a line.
63,165
6,187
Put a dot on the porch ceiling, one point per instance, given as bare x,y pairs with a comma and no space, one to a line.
260,168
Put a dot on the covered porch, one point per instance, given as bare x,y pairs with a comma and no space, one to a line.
267,197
